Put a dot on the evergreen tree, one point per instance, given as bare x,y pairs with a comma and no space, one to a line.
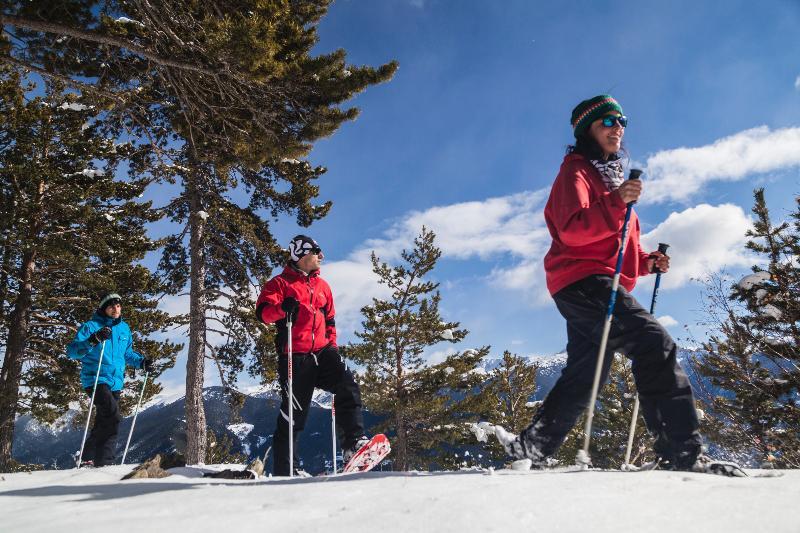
753,361
506,398
70,232
425,406
227,94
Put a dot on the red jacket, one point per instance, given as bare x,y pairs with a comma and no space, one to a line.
585,220
315,327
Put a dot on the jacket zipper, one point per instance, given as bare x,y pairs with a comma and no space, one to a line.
313,313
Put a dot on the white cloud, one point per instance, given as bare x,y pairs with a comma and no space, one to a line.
354,285
508,224
667,321
797,83
496,229
702,240
678,174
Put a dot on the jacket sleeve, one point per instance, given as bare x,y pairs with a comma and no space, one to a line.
132,359
80,346
330,320
578,219
643,257
268,305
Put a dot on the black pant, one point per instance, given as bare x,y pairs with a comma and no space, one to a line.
325,371
102,442
665,394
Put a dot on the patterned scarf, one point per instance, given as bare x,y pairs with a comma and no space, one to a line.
610,171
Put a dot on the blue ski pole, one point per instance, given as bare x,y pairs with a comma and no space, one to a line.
583,455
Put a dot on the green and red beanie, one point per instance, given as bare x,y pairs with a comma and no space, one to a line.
590,110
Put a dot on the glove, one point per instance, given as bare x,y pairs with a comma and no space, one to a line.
147,365
290,306
100,335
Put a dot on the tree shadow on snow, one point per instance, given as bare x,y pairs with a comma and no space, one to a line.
101,491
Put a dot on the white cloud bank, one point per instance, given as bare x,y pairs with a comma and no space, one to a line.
703,240
797,83
503,227
510,231
679,174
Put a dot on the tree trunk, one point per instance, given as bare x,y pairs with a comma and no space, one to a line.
12,363
400,447
195,364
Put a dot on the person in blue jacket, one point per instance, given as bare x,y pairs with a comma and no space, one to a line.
108,334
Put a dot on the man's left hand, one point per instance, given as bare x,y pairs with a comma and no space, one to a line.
658,262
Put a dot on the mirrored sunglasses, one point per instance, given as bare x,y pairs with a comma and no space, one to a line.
610,120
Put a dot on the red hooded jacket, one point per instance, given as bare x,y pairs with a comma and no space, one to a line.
585,220
315,327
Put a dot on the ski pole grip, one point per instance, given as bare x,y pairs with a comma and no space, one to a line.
662,247
635,174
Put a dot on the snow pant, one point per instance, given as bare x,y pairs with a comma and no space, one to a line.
665,395
324,370
102,442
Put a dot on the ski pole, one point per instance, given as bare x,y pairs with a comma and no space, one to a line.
133,423
333,432
583,455
663,249
291,397
91,404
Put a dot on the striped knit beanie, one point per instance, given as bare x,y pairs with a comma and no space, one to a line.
108,299
590,110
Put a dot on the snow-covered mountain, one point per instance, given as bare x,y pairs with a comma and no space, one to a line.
160,426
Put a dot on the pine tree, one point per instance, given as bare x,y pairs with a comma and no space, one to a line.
506,398
229,97
753,361
426,407
70,232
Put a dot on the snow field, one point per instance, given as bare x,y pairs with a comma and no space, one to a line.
94,500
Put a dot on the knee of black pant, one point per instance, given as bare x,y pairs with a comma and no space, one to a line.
348,393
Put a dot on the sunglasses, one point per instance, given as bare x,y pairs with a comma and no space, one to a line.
610,120
316,250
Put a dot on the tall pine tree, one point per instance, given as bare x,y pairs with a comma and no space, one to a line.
70,232
753,361
230,97
425,407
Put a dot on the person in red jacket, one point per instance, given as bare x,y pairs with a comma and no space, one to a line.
585,215
301,293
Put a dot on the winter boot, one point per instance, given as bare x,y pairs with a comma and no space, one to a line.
706,465
350,452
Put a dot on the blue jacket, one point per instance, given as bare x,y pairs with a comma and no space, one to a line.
117,352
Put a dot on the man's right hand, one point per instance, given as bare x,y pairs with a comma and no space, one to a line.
630,190
290,305
100,335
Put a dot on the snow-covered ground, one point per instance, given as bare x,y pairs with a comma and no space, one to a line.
97,501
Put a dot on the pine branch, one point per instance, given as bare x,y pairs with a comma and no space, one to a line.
60,29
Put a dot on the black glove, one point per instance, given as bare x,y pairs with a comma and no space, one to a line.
290,306
147,365
100,335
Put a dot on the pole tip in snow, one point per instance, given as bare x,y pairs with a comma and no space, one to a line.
583,459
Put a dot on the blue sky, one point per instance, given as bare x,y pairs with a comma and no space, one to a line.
468,137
